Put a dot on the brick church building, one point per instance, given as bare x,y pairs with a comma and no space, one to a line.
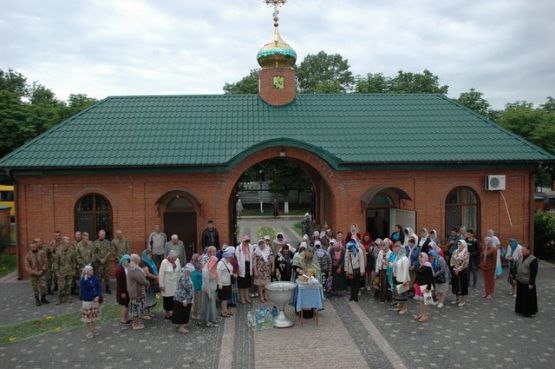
130,162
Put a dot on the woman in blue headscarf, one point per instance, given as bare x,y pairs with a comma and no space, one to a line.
513,255
122,296
148,265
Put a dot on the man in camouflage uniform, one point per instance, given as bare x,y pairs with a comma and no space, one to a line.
77,276
102,251
35,265
120,246
64,267
51,280
83,253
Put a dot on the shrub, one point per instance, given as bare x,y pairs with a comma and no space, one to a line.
544,235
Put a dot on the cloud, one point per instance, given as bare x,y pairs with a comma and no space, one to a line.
103,47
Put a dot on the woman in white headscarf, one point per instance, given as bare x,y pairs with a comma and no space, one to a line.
460,278
225,272
92,293
262,268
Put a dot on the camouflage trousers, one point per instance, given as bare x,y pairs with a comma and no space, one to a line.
101,272
38,283
64,287
50,277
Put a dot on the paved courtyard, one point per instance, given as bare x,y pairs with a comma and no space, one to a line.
483,334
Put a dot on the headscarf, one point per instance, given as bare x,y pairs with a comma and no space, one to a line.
352,246
435,261
172,254
513,243
263,253
387,244
212,265
195,260
426,262
88,268
124,258
229,252
433,235
302,246
150,263
189,268
320,252
283,240
465,248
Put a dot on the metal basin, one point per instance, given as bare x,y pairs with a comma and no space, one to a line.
281,293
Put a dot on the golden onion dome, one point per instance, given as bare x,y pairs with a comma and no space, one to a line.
276,53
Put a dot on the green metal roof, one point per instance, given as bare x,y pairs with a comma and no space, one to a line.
219,130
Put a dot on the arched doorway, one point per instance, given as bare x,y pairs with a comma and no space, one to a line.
179,211
304,191
385,207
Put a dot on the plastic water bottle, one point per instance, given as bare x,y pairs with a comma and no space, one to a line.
274,311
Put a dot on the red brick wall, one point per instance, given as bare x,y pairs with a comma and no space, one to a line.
46,203
275,96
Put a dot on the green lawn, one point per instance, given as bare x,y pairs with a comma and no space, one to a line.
298,227
8,264
266,231
58,323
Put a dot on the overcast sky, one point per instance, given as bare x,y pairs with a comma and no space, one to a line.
504,48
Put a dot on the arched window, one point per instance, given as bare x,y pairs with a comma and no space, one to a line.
462,208
93,212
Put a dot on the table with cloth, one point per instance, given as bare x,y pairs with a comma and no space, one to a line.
309,296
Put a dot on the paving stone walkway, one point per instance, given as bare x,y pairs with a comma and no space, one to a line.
368,334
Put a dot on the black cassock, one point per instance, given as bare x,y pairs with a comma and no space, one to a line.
526,298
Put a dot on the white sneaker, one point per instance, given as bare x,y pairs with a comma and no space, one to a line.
461,304
440,305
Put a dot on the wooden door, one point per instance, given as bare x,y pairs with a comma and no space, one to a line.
184,224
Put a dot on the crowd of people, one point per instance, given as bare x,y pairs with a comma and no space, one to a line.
403,266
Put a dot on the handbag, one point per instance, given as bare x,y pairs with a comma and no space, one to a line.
428,298
402,288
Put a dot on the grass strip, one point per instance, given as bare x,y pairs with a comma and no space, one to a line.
56,324
298,227
266,231
8,264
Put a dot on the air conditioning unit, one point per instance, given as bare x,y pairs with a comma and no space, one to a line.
495,182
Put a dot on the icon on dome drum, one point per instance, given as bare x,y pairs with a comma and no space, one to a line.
279,82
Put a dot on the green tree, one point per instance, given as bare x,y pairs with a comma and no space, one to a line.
15,127
14,82
27,110
425,82
474,100
403,82
324,73
247,85
372,83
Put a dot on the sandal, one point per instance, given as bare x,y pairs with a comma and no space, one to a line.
125,323
423,320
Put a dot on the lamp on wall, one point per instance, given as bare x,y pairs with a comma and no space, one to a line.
282,152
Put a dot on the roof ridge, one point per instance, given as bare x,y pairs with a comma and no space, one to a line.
50,131
502,129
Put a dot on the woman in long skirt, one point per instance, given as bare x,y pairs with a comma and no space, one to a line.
488,260
382,263
339,278
461,277
526,297
244,255
183,299
151,271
